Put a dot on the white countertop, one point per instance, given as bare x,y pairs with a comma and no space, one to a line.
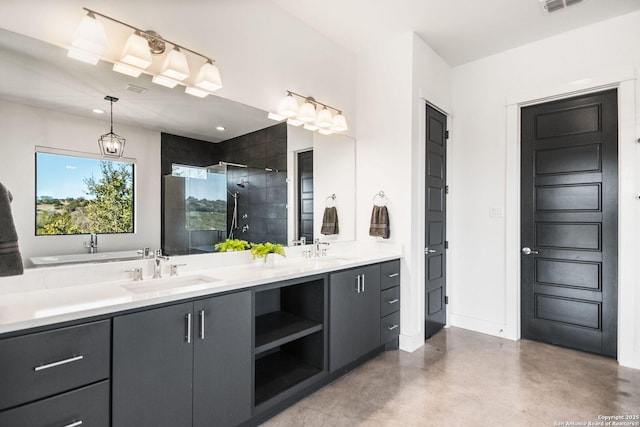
40,305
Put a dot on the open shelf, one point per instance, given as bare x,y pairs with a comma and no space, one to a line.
278,372
280,327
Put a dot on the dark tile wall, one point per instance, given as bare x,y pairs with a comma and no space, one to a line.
262,203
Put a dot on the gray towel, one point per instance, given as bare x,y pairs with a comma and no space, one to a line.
10,259
330,221
379,222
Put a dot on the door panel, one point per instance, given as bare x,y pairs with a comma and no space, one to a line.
435,225
569,216
305,195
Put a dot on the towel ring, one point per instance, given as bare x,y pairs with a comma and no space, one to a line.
330,201
381,199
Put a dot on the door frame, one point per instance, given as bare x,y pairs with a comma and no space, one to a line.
624,81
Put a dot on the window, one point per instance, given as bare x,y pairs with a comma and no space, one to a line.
76,194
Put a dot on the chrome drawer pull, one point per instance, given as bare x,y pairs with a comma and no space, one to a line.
392,301
391,328
74,424
394,275
58,363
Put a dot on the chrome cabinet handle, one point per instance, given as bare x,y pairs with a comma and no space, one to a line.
391,328
527,251
58,363
394,275
393,301
187,335
357,289
429,251
74,424
201,324
362,282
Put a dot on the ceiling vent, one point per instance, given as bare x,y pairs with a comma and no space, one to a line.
135,89
550,6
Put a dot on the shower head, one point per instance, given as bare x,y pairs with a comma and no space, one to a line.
243,183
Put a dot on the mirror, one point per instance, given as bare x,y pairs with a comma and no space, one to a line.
46,99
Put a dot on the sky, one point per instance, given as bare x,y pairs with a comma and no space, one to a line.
61,176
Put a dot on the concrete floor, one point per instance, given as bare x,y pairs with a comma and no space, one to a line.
463,378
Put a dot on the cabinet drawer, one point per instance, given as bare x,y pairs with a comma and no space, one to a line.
47,363
389,327
87,406
389,301
390,274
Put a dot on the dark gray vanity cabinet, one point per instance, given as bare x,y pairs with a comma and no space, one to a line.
183,365
354,314
56,377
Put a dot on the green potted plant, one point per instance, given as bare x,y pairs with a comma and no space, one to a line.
266,251
232,245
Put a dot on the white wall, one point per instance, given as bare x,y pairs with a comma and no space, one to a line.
484,288
24,127
392,81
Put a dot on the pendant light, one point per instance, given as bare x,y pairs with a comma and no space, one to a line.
111,144
339,123
208,77
136,52
288,106
324,118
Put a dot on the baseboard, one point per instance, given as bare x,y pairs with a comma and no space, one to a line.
411,343
482,326
630,362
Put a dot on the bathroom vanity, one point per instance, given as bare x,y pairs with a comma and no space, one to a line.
234,351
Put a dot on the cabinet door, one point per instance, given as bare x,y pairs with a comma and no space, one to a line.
152,368
222,360
354,315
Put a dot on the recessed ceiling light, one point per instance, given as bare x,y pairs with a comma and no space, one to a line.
221,128
98,111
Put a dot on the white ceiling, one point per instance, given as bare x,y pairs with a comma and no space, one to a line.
459,31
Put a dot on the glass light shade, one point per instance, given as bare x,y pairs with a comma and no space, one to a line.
175,65
339,123
325,132
324,118
127,69
294,122
288,106
311,127
196,92
307,113
164,81
208,78
89,42
276,117
136,52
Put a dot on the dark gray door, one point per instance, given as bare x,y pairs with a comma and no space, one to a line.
354,314
152,368
435,222
222,360
569,222
305,195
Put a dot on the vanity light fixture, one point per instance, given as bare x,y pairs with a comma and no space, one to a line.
141,51
111,144
314,115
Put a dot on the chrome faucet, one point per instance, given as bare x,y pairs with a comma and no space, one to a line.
92,245
319,251
301,242
158,257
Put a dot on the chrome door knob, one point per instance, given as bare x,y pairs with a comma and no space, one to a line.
429,251
527,251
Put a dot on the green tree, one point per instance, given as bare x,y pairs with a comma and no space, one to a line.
60,224
111,209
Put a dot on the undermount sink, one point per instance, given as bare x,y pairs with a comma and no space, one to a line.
183,284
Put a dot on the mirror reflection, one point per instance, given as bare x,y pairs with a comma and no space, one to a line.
47,100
